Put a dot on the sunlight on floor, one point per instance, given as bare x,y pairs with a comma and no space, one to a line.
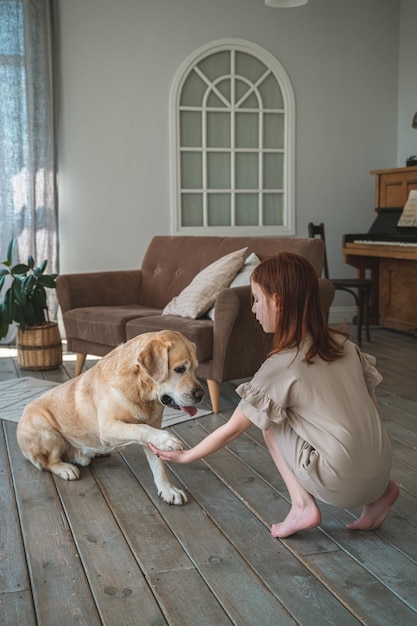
6,351
11,351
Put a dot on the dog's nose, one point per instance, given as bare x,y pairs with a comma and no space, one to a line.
166,399
198,394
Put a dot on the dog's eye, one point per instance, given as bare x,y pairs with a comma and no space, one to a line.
181,369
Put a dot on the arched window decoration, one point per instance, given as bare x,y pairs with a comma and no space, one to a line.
232,137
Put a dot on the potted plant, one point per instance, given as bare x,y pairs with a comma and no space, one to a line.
24,303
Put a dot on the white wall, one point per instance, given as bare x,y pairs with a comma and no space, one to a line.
407,82
118,60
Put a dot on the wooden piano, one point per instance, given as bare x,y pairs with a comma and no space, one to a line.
389,253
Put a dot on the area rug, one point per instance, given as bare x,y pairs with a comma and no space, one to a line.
16,393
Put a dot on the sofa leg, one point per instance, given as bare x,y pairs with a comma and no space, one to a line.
214,391
80,363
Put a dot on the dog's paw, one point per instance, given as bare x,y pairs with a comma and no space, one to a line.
166,441
172,444
173,495
66,471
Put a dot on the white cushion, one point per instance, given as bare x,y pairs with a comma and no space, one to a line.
243,277
200,294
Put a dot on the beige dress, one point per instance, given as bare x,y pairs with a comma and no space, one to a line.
325,422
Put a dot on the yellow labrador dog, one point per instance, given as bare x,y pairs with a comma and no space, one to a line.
116,403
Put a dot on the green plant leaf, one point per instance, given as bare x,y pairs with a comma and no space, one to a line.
47,281
17,291
28,283
39,298
20,269
30,315
8,307
20,318
10,252
4,328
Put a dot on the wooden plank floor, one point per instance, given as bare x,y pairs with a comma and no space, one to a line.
106,550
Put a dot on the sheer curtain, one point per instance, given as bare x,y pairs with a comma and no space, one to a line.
28,193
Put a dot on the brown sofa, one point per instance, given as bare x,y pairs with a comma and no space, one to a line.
103,309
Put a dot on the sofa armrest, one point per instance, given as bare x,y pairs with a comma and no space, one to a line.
110,288
239,342
327,291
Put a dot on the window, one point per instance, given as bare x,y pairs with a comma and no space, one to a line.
232,123
28,197
13,110
28,208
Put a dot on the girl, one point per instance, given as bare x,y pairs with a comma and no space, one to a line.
314,399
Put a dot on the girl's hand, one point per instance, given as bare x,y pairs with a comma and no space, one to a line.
217,439
168,455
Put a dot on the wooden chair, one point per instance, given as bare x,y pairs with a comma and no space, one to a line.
360,288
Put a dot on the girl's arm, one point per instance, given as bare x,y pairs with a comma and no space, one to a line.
219,438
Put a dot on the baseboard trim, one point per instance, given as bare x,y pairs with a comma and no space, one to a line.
342,314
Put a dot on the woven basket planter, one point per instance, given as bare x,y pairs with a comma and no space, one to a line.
39,347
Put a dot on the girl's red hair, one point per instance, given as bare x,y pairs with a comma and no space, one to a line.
293,279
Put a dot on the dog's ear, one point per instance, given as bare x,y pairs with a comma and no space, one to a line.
153,358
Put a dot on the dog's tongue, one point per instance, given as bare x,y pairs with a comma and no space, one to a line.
190,410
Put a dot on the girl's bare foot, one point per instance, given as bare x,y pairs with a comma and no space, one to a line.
299,518
374,514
